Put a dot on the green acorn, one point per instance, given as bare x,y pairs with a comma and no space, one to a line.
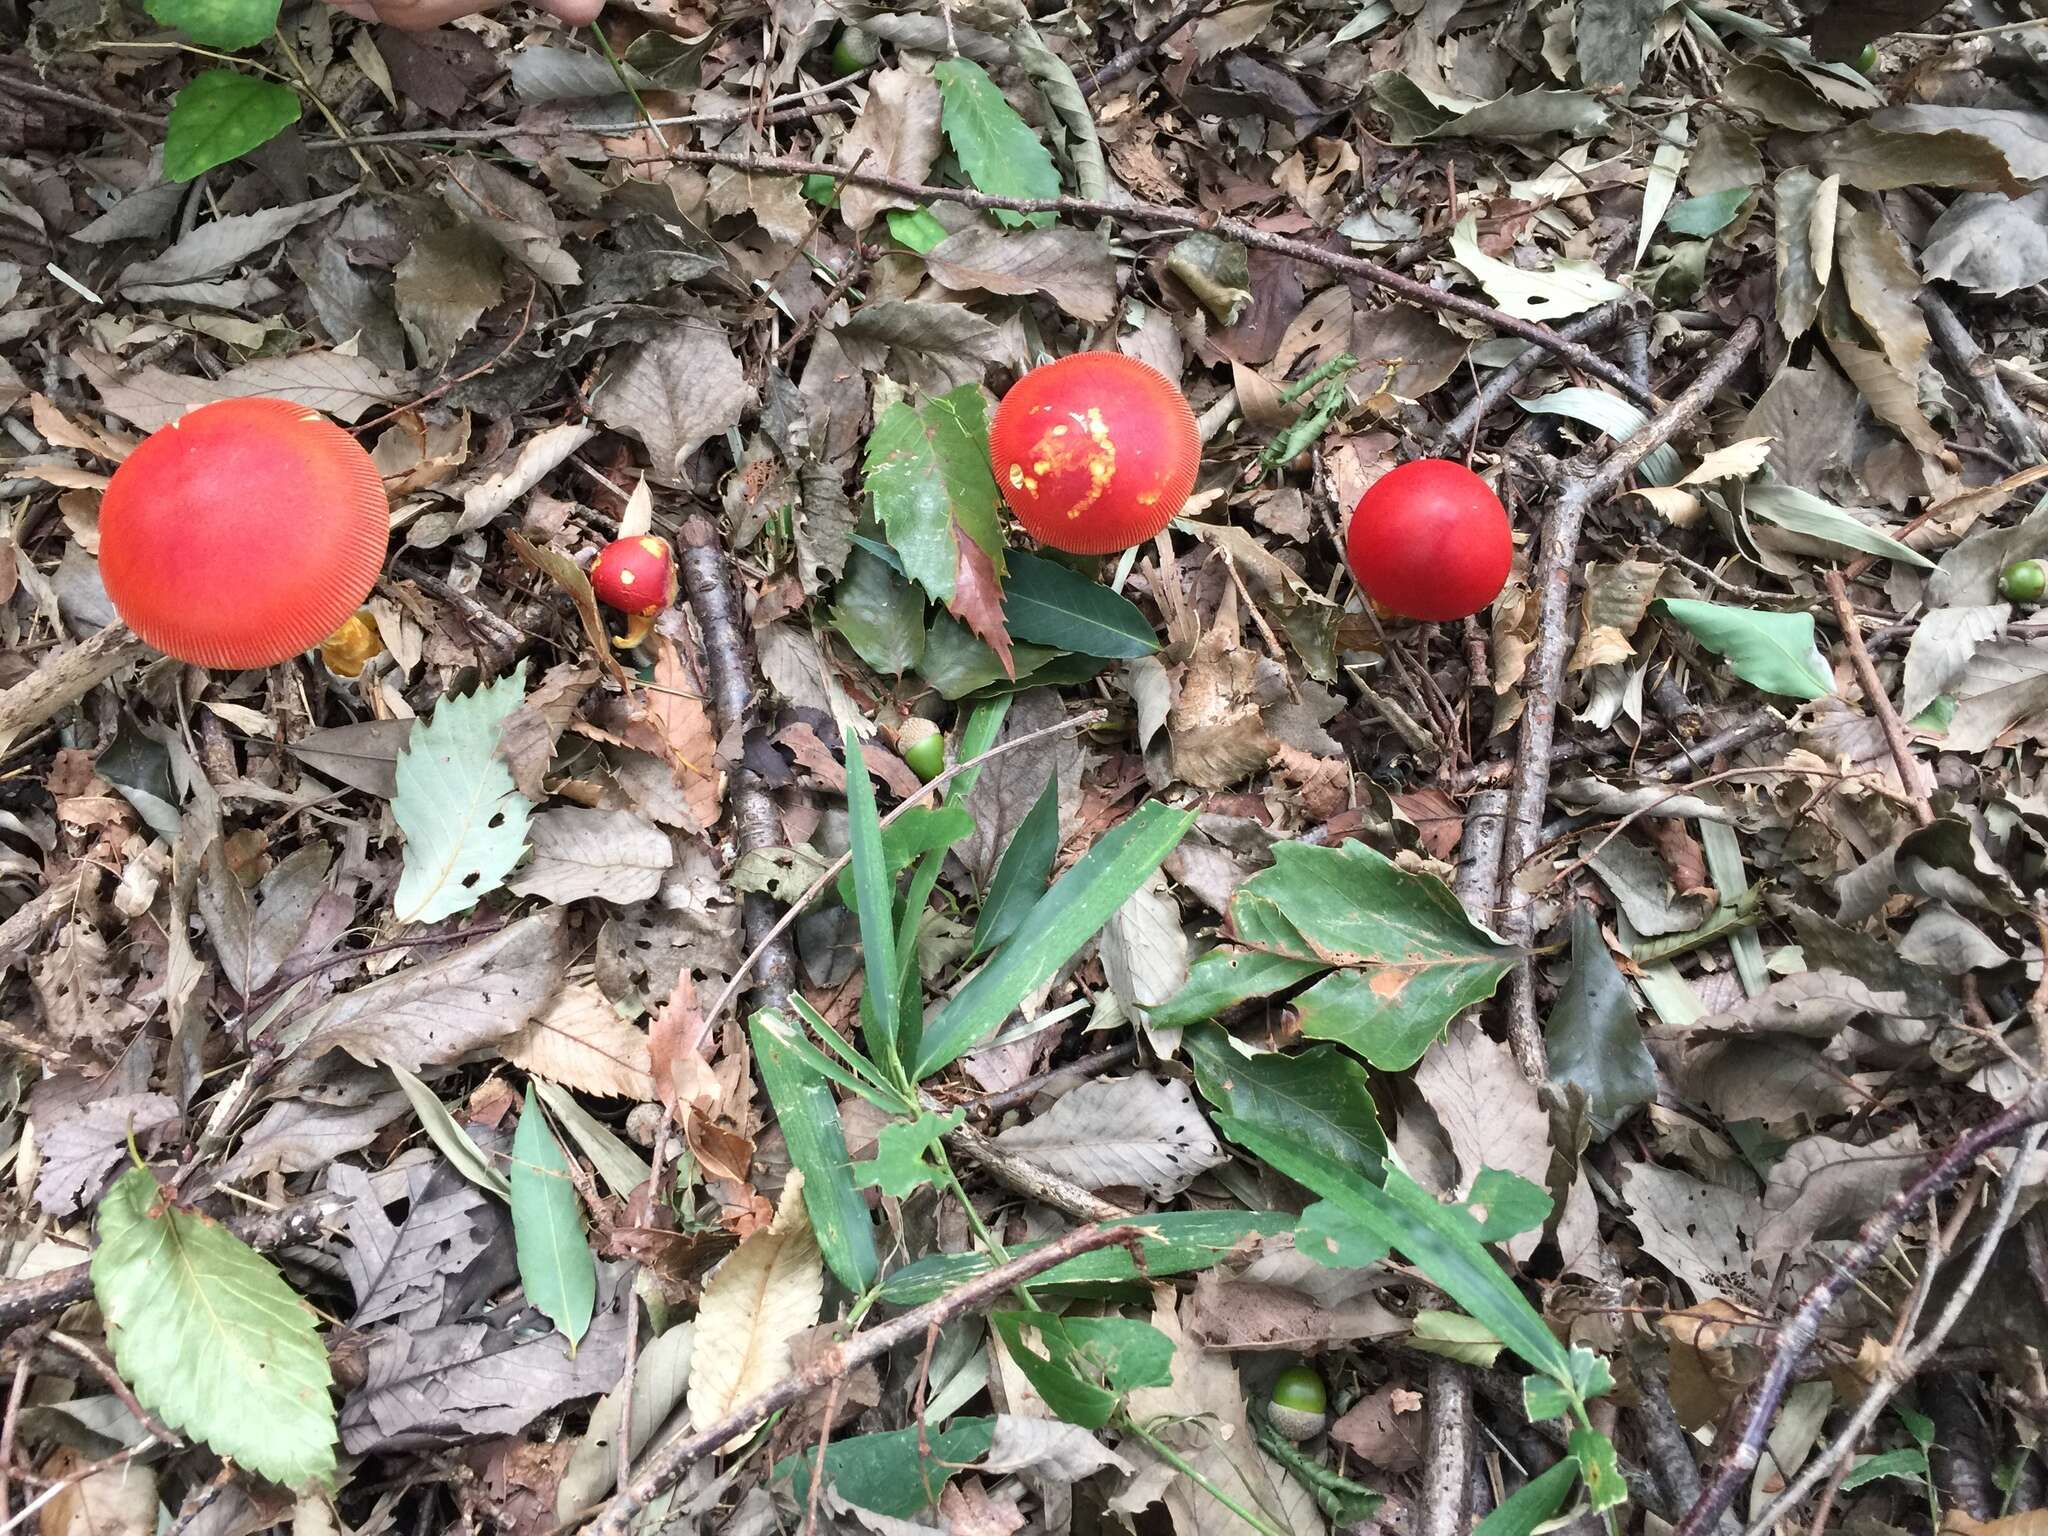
1299,1407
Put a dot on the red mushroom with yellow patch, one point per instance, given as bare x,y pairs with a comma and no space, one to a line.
636,576
1095,452
244,533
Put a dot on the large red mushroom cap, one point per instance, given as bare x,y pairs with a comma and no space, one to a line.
1430,540
243,533
637,576
1094,452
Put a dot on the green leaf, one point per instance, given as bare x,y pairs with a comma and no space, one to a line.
1909,1462
555,1266
1131,1354
220,114
1599,1469
996,148
1173,1243
463,1154
1504,1205
927,475
1617,417
1593,1035
1405,957
918,831
1318,1096
1050,604
1332,1238
1456,1337
218,23
1802,512
875,905
880,614
1228,976
809,1117
1772,651
1053,1374
886,1473
916,228
463,818
1708,214
1019,880
210,1337
622,1168
899,1165
1590,1378
1068,916
1535,1503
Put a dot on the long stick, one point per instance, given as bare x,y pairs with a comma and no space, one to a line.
674,1457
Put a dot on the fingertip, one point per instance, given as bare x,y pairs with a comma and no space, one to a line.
576,12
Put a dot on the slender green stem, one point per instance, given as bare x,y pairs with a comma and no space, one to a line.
619,69
319,103
1180,1464
204,53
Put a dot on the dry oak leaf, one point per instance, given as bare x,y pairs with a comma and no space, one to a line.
580,1041
770,1290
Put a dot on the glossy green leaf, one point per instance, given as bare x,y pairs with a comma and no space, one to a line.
875,906
1053,1374
220,114
1330,1237
1052,604
1594,1038
916,228
1173,1242
927,475
1319,1095
809,1117
887,1473
555,1265
209,1336
218,23
998,150
1535,1503
463,818
1771,651
1227,976
880,613
1068,916
1019,881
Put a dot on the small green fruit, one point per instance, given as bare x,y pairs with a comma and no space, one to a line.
2024,580
854,49
923,747
1299,1407
1865,61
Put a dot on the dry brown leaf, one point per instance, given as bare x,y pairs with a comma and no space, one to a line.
763,1296
675,707
1215,726
580,1041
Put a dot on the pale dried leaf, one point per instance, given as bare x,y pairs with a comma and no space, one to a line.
1134,1132
770,1290
581,1041
615,856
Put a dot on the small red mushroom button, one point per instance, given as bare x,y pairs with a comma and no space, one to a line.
1430,540
243,533
637,577
1094,452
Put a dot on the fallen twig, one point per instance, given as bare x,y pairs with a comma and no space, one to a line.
62,680
1545,676
1158,216
1123,63
1980,373
1032,1180
1879,701
1796,1336
1457,432
675,1456
1071,1075
1447,1463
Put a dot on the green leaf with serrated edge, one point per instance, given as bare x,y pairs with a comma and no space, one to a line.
957,664
1594,1037
887,1472
463,818
1050,604
1771,651
209,1336
1503,1205
1052,1373
1019,880
222,113
809,1117
218,23
880,613
1319,1095
1437,1240
464,1155
1173,1243
622,1169
555,1265
1599,1469
998,150
1544,1399
1535,1503
875,906
1068,916
1591,1373
899,1165
927,474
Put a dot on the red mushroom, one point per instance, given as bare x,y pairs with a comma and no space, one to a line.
1430,540
243,533
1095,452
637,577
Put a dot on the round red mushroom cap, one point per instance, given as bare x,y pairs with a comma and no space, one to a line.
635,576
1430,540
243,533
1094,452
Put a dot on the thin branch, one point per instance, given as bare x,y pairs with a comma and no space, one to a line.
1545,676
1123,63
1447,1464
61,680
102,1368
1880,703
1796,1337
1157,216
1980,373
1071,1075
1457,432
1032,1180
675,1456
